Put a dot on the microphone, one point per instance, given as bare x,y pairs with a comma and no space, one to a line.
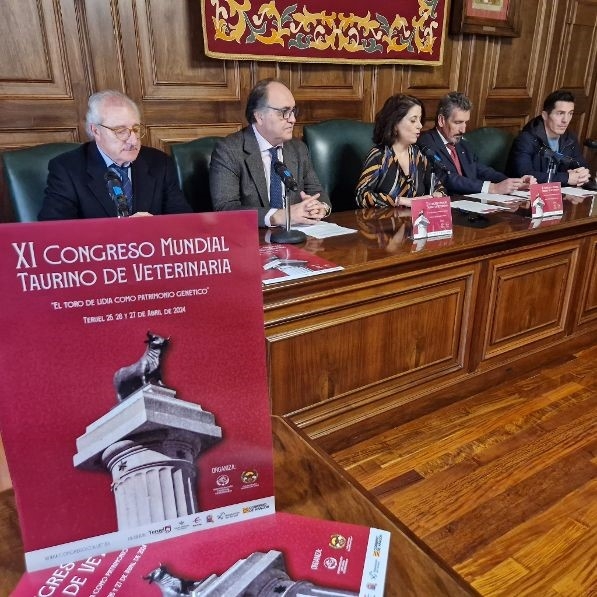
116,193
591,143
287,235
284,173
556,156
434,158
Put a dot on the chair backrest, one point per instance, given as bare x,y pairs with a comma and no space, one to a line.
192,161
338,149
492,145
26,173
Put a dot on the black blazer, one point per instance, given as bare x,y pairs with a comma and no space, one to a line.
474,172
76,187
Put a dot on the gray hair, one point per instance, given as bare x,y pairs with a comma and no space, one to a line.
100,99
450,102
257,99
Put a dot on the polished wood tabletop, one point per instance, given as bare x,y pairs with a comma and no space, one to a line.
307,483
383,237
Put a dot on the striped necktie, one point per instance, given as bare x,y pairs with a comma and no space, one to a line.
127,185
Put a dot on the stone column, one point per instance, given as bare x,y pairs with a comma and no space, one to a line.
150,443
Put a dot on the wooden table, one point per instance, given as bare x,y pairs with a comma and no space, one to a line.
310,484
406,328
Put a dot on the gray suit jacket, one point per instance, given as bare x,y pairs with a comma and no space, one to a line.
237,179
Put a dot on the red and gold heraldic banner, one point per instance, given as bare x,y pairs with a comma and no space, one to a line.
135,404
348,32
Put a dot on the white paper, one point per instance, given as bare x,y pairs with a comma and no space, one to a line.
576,192
497,198
323,229
479,208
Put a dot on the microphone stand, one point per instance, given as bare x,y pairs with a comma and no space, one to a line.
287,235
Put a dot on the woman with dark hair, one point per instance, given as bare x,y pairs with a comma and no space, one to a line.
395,169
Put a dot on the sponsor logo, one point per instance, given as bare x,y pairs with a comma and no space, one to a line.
372,586
249,476
180,525
223,480
249,509
165,529
377,547
197,521
227,515
210,518
330,563
337,541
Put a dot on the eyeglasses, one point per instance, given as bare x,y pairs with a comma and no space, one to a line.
124,132
285,113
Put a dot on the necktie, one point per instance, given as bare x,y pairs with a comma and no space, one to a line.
452,150
127,185
275,182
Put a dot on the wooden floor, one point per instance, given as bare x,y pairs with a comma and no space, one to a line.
502,485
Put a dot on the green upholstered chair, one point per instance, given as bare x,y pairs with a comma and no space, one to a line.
26,172
192,161
492,145
338,149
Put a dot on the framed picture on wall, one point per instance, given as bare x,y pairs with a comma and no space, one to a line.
486,17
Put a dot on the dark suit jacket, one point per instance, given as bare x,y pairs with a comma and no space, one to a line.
474,172
237,179
525,155
76,187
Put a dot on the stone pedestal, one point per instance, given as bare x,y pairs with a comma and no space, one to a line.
149,443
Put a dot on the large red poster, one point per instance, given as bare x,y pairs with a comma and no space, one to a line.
174,305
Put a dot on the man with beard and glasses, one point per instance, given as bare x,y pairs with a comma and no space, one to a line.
242,172
77,186
465,173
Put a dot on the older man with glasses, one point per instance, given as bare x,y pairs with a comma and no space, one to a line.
112,175
243,168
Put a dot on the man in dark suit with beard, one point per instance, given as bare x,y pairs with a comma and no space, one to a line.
76,185
465,173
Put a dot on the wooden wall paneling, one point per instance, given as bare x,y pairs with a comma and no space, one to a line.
578,59
31,46
168,55
41,83
389,80
587,316
183,94
101,45
402,348
527,302
325,91
163,137
430,83
513,66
